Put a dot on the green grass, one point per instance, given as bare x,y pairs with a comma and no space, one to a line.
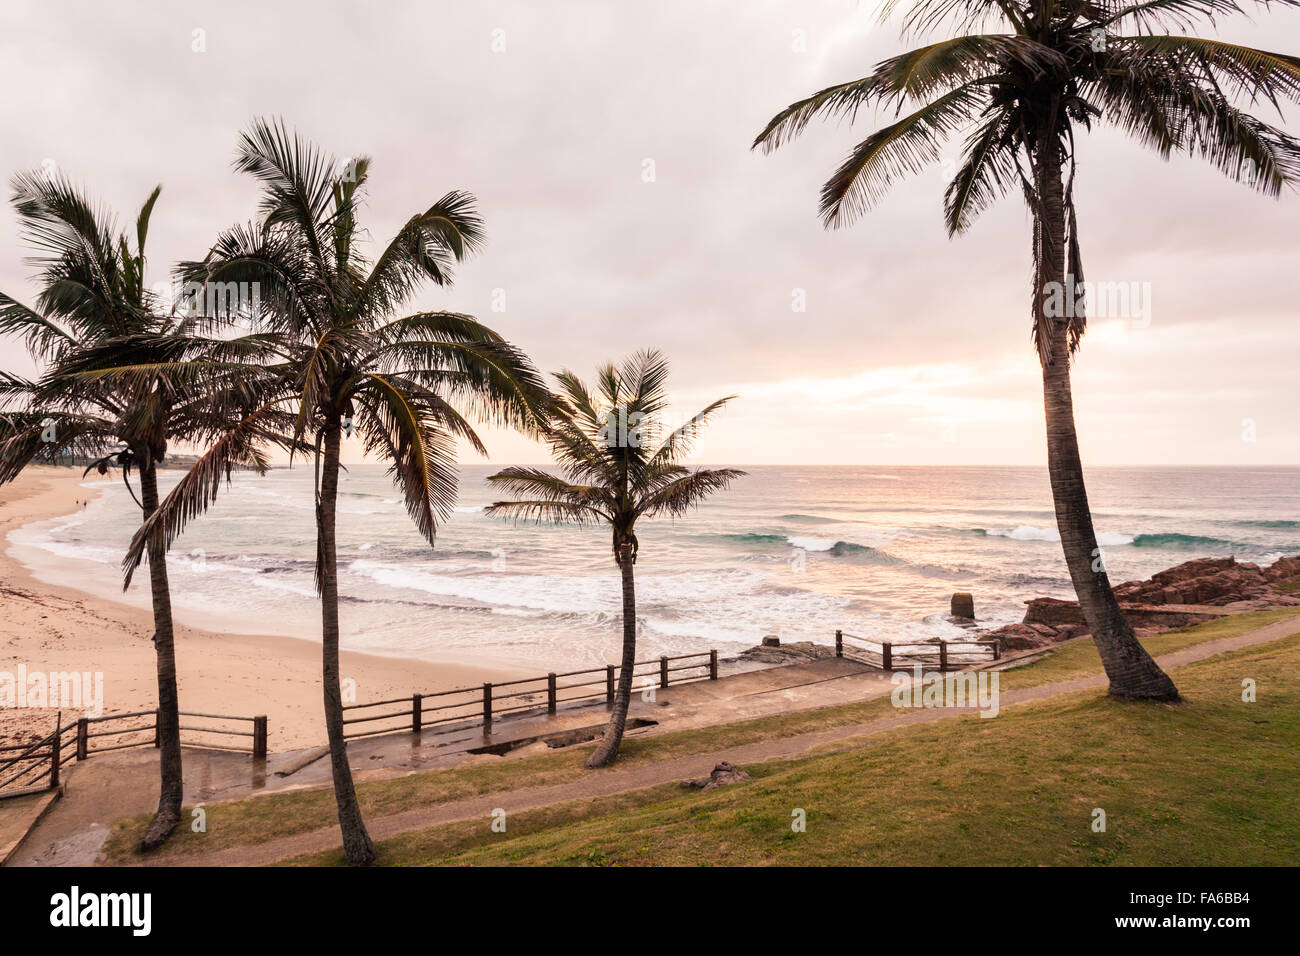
1213,781
267,817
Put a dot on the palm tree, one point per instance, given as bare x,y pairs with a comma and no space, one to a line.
1023,95
93,309
616,471
337,359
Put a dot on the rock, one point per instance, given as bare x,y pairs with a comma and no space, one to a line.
1198,568
963,604
1284,570
1023,637
771,640
1053,612
1213,581
1218,582
723,774
795,653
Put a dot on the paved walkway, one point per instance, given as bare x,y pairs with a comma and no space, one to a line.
619,780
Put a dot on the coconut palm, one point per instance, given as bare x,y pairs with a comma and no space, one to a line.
1022,96
92,310
618,466
335,356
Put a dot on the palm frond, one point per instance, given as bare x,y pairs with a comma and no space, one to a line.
987,171
681,495
421,455
901,148
43,338
198,488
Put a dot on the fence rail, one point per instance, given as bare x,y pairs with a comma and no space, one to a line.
945,655
18,774
78,741
446,710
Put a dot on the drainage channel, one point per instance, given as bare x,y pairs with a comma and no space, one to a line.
566,738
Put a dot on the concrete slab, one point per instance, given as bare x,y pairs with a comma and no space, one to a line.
19,815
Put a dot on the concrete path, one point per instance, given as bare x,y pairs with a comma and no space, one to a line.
18,815
616,780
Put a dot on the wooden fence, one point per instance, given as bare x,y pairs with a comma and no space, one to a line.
945,655
18,773
481,706
92,735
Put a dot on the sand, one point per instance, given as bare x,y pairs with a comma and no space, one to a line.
55,628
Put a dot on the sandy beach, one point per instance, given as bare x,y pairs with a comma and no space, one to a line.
52,628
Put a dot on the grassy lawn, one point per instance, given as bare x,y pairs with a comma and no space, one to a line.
1211,782
267,817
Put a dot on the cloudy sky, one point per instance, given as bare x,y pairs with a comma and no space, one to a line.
608,144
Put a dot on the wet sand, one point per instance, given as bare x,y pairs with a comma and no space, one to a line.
53,627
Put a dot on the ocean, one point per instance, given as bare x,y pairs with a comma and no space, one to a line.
792,551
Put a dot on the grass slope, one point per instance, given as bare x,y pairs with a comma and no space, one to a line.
267,817
1214,781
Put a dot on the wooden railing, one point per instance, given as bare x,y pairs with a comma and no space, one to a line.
18,774
111,738
945,655
78,741
481,706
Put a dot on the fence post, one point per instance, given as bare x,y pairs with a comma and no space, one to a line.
54,750
417,713
83,738
663,671
487,707
713,664
157,728
259,738
887,656
943,655
839,643
550,694
609,683
997,651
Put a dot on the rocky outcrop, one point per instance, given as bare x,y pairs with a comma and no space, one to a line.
1160,603
1284,571
796,653
1214,581
1025,637
1053,612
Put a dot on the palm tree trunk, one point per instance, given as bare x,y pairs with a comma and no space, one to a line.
609,744
1131,670
356,841
169,720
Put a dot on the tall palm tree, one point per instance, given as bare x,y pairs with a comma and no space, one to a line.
618,466
93,308
1023,94
336,357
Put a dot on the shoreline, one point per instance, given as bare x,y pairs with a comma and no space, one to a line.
49,627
